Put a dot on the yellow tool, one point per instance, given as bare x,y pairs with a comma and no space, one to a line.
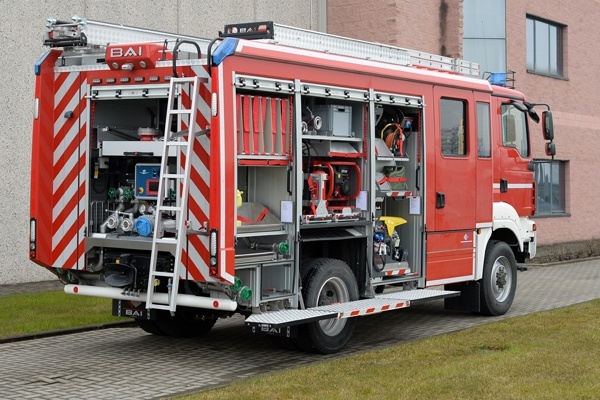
392,222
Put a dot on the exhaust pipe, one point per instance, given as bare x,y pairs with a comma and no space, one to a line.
210,303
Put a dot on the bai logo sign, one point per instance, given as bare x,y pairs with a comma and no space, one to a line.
118,52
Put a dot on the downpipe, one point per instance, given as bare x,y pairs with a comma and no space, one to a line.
210,303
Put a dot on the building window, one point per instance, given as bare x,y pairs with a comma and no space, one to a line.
453,127
550,187
484,34
544,47
483,130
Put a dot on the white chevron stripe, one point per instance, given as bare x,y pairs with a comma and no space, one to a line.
68,194
67,252
64,227
60,93
197,259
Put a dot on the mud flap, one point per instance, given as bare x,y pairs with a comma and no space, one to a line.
132,309
469,299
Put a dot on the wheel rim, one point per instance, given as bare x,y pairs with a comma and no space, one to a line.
333,291
501,279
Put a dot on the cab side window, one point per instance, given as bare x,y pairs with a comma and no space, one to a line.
484,149
453,127
514,130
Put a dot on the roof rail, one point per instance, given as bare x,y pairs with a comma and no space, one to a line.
318,41
84,33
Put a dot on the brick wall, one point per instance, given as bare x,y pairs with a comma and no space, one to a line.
575,106
436,27
412,24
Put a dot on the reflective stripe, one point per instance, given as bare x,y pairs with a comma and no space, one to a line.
516,186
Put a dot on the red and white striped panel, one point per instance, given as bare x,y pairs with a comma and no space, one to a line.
396,193
394,272
68,171
387,306
196,254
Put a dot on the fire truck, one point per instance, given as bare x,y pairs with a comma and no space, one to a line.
297,178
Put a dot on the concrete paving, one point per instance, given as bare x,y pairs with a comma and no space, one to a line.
30,287
128,363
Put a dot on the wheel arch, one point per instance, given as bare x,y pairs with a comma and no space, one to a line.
351,252
507,227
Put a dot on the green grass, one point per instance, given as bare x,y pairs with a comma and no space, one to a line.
47,311
548,355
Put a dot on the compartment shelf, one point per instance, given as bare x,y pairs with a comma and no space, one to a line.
333,138
129,148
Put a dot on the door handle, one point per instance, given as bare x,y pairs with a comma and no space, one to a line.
503,186
417,177
440,201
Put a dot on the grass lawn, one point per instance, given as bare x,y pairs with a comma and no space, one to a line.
547,355
47,311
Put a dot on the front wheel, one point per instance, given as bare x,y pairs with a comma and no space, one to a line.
329,281
499,282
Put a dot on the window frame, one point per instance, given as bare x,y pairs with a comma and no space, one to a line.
559,210
481,125
510,107
559,48
465,128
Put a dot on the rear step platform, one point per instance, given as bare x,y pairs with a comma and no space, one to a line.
382,302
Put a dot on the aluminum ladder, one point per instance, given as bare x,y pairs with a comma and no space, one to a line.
179,143
82,32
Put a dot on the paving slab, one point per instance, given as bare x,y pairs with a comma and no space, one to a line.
128,363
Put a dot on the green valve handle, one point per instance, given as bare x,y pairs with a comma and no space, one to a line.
127,193
112,193
245,293
284,248
237,284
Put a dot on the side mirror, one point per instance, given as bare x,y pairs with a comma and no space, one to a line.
547,125
550,149
533,115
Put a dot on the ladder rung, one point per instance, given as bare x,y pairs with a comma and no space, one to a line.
182,111
163,273
202,232
176,143
173,176
168,208
167,240
158,306
182,80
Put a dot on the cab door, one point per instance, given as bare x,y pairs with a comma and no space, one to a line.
513,178
450,243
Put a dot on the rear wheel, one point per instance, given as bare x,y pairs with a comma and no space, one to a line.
329,281
187,322
499,282
149,326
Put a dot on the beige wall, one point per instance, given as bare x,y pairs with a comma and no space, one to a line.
21,33
421,25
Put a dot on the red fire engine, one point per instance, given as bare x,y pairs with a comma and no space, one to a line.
297,178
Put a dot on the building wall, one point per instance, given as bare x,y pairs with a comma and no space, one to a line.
575,107
419,25
435,26
21,35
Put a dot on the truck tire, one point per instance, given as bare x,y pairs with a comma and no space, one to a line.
499,282
186,323
329,281
149,326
